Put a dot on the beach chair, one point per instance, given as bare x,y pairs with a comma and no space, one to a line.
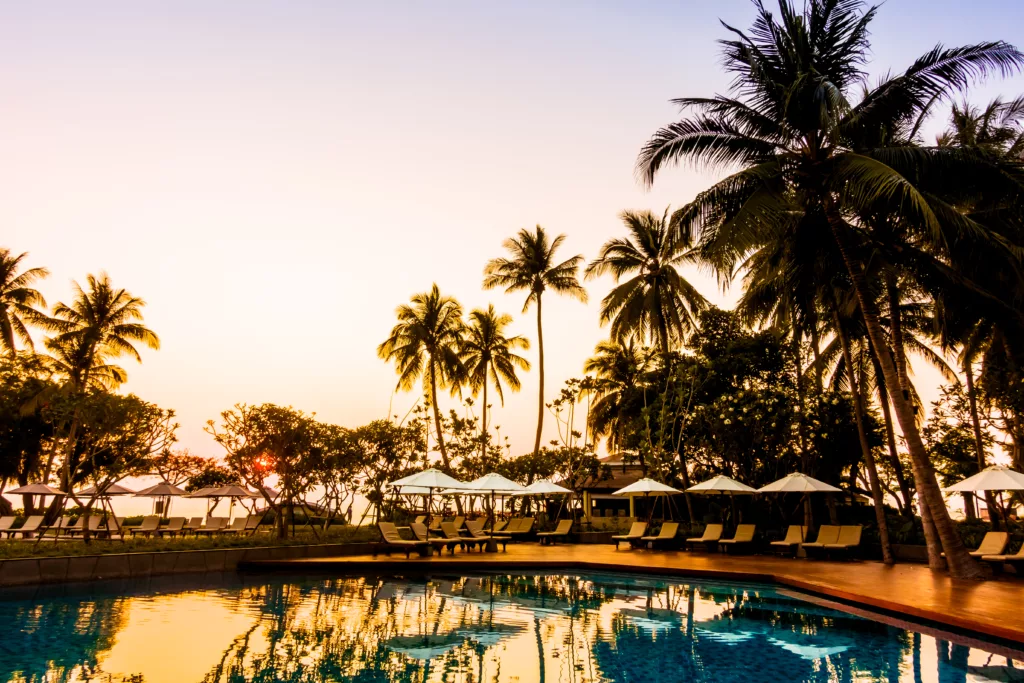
6,523
475,529
712,532
237,525
498,526
420,519
524,529
420,531
634,535
458,522
795,535
561,531
111,526
213,525
77,527
192,525
435,524
510,526
150,525
1015,560
94,525
992,543
666,535
32,524
450,539
252,522
743,537
827,535
392,540
175,526
849,541
57,527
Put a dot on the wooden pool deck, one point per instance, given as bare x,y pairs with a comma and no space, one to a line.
993,608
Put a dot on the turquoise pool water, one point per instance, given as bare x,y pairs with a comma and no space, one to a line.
506,628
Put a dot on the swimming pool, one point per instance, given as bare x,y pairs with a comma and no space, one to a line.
514,628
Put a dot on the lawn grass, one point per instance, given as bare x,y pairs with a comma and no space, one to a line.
14,549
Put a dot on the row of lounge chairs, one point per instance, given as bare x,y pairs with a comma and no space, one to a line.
62,527
150,526
993,550
830,540
464,534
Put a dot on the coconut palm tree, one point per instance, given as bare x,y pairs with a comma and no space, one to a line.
656,302
102,323
489,356
618,369
794,131
425,345
19,303
532,268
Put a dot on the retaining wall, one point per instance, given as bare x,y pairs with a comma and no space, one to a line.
40,570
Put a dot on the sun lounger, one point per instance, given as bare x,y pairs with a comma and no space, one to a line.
712,532
993,543
6,523
175,526
524,529
435,524
391,539
192,525
57,527
1015,560
450,539
150,525
237,525
32,524
458,522
420,531
498,526
214,525
113,525
561,531
666,535
420,519
252,522
508,527
94,525
828,534
635,533
77,527
849,540
475,531
743,537
795,535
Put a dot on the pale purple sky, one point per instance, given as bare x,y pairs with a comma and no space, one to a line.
274,178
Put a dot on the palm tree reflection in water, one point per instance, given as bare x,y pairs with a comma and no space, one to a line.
572,629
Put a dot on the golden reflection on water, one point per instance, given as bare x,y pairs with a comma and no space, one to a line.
453,630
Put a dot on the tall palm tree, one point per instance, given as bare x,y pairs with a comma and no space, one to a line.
489,356
532,268
618,369
102,323
19,303
790,125
425,344
657,302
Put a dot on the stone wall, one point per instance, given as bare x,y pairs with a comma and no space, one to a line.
41,570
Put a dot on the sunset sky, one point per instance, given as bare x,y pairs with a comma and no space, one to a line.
274,178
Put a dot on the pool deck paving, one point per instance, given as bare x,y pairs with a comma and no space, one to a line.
994,608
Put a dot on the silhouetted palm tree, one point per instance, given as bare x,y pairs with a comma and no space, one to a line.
425,344
656,301
799,140
18,301
532,269
101,323
618,368
489,356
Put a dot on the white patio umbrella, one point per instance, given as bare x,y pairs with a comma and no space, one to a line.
992,478
646,487
37,490
493,483
233,492
797,482
108,490
544,487
430,479
161,491
723,486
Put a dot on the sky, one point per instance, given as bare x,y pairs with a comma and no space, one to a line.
275,178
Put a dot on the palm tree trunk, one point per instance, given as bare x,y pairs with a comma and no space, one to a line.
805,457
437,419
540,393
483,420
890,438
979,443
961,564
816,350
865,448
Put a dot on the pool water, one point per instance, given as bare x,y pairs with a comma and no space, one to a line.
508,628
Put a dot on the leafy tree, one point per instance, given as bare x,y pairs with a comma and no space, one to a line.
210,475
19,302
656,302
489,356
25,432
532,268
425,344
179,467
386,451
